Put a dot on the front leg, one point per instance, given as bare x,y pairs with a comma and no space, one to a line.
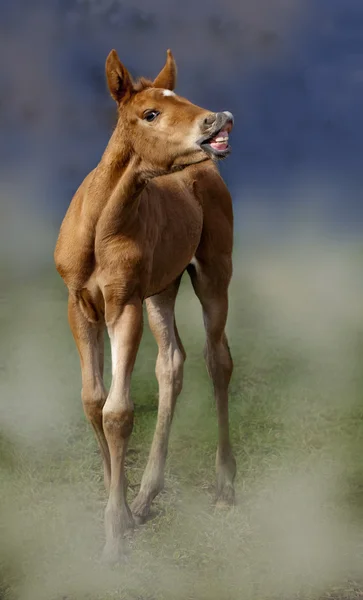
89,340
210,283
125,329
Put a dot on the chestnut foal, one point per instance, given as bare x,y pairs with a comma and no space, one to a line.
154,207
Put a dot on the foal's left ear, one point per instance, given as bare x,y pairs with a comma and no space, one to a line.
167,76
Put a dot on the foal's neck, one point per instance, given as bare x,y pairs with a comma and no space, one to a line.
119,180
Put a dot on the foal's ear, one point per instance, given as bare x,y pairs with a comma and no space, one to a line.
167,76
118,78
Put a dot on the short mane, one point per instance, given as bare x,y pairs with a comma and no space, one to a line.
142,84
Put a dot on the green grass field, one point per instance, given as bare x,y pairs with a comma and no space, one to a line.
297,431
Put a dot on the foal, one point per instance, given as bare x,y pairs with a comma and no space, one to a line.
154,207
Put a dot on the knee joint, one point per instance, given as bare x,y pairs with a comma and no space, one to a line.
93,402
219,360
120,423
169,369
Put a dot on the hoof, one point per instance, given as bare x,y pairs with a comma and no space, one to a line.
111,555
114,553
117,524
139,519
140,511
225,498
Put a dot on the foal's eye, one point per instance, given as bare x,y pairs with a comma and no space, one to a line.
150,115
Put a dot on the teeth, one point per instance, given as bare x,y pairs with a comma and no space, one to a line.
221,139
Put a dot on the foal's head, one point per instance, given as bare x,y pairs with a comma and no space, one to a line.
165,130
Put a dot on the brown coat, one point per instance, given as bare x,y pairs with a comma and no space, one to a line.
153,207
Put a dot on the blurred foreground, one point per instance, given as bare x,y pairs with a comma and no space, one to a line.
296,335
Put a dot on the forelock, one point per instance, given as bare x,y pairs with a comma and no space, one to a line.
142,84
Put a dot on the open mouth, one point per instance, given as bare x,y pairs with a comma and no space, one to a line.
217,144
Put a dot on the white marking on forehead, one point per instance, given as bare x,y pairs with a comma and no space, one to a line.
168,93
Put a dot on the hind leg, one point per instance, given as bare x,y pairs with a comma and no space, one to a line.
89,340
210,285
169,372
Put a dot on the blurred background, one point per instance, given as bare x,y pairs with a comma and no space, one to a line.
291,72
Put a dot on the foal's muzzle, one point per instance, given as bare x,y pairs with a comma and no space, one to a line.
215,141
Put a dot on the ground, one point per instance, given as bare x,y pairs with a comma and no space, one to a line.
297,431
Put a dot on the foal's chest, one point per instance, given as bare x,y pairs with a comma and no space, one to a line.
175,238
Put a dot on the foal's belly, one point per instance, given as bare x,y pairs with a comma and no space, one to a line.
164,273
176,244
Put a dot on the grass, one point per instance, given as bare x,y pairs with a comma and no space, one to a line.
297,430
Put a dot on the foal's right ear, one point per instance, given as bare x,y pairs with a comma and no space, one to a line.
118,78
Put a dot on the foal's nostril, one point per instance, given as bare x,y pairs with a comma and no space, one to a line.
209,120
